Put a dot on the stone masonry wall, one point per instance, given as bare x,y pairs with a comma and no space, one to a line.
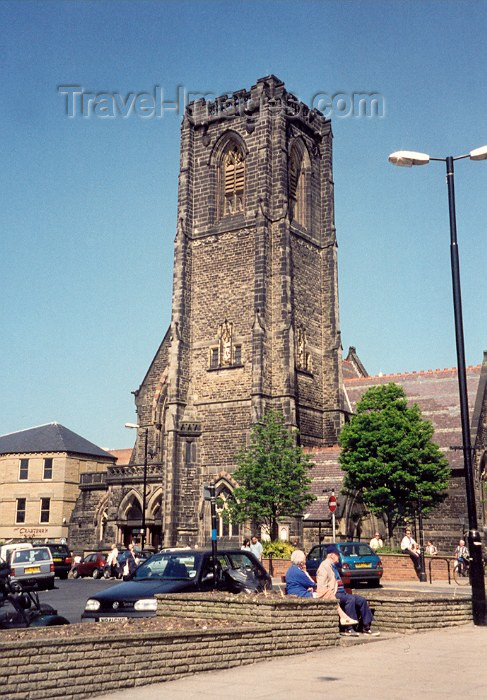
304,623
105,661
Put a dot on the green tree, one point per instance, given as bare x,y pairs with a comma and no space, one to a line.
273,475
389,458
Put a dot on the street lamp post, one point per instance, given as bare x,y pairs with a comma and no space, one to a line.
422,572
407,159
144,487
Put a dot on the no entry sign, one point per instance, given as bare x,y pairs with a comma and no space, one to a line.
332,504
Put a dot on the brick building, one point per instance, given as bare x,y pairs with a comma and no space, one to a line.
40,473
254,324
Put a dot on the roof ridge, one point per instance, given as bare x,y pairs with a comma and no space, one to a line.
34,427
409,374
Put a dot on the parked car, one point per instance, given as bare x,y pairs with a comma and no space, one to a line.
62,559
7,549
358,562
33,568
92,565
183,571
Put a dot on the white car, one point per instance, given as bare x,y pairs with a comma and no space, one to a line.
33,568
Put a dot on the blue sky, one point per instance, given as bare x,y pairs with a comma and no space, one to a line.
89,204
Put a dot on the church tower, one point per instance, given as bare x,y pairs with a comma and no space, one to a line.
255,298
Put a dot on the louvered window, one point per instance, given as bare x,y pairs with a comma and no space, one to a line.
297,189
233,181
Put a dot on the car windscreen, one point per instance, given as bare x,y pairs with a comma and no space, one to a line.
170,565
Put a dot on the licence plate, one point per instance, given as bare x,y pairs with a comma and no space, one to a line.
363,565
113,619
32,570
57,559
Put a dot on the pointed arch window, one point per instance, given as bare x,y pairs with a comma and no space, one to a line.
298,184
225,526
232,181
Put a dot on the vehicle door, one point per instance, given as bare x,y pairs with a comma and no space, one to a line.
207,574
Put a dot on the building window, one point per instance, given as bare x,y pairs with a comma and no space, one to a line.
47,468
23,470
225,526
214,358
190,452
237,355
299,166
20,513
232,181
45,509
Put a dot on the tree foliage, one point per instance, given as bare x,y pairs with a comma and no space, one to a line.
389,458
273,476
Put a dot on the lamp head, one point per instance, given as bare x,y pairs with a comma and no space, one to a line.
406,159
479,153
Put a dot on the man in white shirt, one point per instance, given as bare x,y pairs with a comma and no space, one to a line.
409,546
376,542
256,548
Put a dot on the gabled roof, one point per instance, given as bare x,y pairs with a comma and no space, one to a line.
52,437
436,393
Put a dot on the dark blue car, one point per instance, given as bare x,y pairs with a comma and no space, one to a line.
182,571
358,562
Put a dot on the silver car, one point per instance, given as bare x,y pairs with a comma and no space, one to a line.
33,568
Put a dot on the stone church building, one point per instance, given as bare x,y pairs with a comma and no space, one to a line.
255,325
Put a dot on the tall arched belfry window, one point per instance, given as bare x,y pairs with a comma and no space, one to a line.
232,181
298,184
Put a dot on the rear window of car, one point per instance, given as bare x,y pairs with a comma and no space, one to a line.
356,550
29,555
59,549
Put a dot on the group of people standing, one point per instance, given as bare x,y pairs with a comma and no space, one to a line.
114,565
253,545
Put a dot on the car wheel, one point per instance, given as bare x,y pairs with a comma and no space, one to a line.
63,576
375,583
106,574
96,573
75,573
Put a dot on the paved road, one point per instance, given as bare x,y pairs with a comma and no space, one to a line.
441,664
69,596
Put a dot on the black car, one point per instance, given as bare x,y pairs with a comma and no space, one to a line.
183,571
62,559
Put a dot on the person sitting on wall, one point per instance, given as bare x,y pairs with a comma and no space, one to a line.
329,580
431,548
376,542
409,546
299,583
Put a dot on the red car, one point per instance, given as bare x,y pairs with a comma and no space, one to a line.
91,565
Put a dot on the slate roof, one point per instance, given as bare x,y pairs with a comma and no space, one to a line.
52,437
327,477
436,393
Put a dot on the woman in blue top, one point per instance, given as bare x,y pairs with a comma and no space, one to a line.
298,581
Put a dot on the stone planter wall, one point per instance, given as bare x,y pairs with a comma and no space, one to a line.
43,667
298,624
410,612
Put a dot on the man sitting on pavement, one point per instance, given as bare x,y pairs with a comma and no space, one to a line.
328,577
